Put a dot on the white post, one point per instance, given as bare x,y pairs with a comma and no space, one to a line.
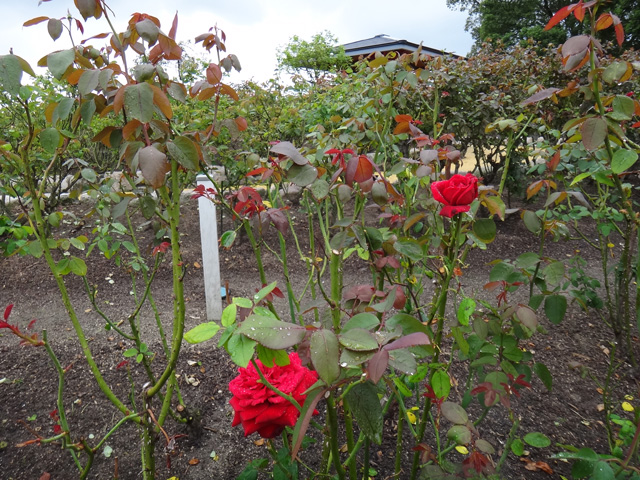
210,258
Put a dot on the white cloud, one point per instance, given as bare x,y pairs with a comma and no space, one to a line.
255,29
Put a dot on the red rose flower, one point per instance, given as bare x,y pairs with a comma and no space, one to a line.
261,410
456,194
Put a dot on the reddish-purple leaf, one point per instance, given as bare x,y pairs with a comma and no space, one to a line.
288,150
302,425
411,340
154,165
594,132
359,169
7,311
576,45
541,95
378,365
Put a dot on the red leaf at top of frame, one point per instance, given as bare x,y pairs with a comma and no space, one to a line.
174,27
35,21
619,29
7,311
560,15
578,12
604,21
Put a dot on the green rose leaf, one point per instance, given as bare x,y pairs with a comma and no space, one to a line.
459,434
10,74
325,353
454,413
365,405
58,62
272,333
202,332
465,310
555,306
485,229
623,160
536,439
138,102
358,339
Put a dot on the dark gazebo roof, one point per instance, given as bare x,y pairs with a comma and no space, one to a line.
384,44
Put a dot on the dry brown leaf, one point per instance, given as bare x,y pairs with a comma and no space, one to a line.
259,443
45,476
535,466
196,264
194,461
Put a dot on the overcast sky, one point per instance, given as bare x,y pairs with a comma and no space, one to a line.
255,28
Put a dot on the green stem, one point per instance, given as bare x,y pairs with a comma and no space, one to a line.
336,289
332,420
41,236
367,459
59,400
291,297
507,446
399,449
173,207
348,426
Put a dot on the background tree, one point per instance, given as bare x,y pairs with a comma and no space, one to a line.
514,21
314,58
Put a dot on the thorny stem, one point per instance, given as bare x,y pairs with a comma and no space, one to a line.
438,309
332,421
59,401
41,236
507,446
173,206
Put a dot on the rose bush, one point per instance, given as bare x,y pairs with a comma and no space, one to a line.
456,194
260,409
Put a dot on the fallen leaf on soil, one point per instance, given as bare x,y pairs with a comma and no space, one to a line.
45,476
196,264
194,461
535,466
600,407
259,443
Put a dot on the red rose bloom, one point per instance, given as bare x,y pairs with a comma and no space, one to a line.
456,194
261,410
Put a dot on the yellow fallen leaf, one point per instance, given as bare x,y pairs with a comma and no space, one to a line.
462,449
412,416
628,397
627,407
196,264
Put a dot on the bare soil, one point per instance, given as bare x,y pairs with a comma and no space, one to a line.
207,446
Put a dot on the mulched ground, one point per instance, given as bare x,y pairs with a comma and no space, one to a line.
208,447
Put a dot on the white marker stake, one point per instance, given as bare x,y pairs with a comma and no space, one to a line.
210,258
